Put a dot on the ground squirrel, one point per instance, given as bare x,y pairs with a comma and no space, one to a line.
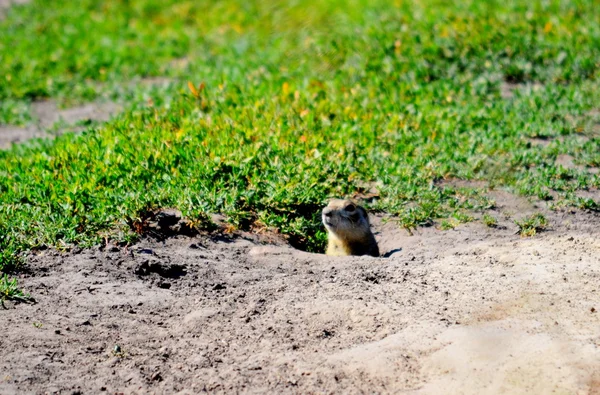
348,229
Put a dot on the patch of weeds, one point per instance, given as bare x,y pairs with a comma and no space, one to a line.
9,290
544,194
413,218
485,203
489,221
588,204
448,224
456,219
531,225
463,217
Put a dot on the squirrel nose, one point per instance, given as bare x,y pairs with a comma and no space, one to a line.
327,212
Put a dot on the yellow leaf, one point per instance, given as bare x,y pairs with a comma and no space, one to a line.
192,89
548,27
229,228
285,88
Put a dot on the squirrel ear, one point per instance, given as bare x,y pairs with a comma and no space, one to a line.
364,213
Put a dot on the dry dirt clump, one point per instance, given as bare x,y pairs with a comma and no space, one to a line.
472,310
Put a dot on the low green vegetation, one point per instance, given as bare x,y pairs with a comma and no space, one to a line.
456,219
9,290
532,224
273,107
489,220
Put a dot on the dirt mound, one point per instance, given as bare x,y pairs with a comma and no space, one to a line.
472,310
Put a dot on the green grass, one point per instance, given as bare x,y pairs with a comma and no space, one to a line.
291,103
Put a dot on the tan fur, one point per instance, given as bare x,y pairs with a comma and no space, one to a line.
348,229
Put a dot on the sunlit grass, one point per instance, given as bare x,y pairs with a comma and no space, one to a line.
273,108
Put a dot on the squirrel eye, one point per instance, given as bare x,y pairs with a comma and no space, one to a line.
350,208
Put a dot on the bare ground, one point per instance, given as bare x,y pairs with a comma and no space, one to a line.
474,310
5,4
50,120
47,114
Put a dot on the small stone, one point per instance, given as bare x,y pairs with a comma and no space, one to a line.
164,352
156,377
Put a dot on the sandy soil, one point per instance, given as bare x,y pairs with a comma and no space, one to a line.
473,311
